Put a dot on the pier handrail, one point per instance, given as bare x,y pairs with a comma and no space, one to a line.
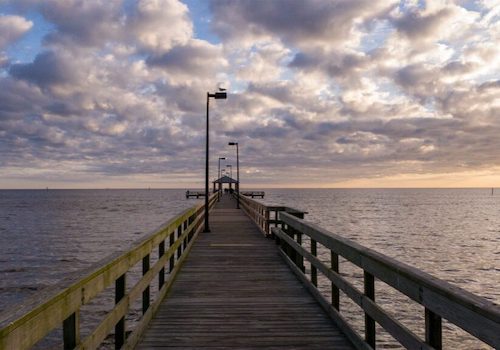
476,315
33,320
266,216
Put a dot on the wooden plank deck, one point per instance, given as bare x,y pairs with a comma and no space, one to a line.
235,292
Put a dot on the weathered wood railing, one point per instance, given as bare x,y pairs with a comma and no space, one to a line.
441,300
253,194
264,216
33,321
475,315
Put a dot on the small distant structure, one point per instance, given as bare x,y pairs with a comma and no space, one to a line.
219,183
196,194
253,194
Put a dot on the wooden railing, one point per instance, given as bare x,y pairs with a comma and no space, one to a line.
266,216
253,194
441,300
475,315
33,321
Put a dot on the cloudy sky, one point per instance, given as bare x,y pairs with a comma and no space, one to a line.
322,93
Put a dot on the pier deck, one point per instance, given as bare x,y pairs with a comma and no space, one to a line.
235,292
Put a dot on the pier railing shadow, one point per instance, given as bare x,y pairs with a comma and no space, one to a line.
441,300
24,326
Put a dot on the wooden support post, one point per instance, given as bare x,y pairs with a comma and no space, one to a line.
334,264
289,250
433,330
283,243
179,250
161,274
190,222
314,271
369,283
145,293
267,223
172,258
185,242
71,331
120,326
299,259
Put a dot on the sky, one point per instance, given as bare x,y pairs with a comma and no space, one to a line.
321,93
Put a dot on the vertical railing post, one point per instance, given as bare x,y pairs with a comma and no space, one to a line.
299,259
314,271
161,274
184,242
267,222
120,326
276,218
283,244
433,330
171,242
369,284
145,292
71,331
179,234
190,222
259,217
292,254
334,264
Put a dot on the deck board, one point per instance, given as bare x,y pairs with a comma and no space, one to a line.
235,292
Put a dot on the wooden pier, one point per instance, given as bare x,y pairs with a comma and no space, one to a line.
194,194
253,194
235,288
235,292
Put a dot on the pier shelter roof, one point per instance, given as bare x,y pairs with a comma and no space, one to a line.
225,180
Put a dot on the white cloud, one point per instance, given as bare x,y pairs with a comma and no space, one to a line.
12,28
158,25
374,85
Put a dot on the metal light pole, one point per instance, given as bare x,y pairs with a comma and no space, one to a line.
217,96
220,185
237,172
220,158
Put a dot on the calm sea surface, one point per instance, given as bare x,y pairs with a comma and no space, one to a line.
453,234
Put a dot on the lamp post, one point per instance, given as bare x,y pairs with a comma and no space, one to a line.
218,96
220,185
237,172
220,158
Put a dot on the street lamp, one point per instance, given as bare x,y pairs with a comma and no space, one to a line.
220,185
220,158
220,95
237,172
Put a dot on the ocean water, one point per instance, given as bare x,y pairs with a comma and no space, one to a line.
49,235
453,234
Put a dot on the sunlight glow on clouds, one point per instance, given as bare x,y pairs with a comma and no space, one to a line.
353,91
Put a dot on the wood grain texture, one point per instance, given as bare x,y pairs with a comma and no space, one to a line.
235,292
476,315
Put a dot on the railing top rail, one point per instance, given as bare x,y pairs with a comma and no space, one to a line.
10,318
345,246
459,306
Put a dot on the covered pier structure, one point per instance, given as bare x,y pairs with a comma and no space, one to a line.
219,183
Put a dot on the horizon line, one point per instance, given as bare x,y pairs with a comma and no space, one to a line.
265,187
